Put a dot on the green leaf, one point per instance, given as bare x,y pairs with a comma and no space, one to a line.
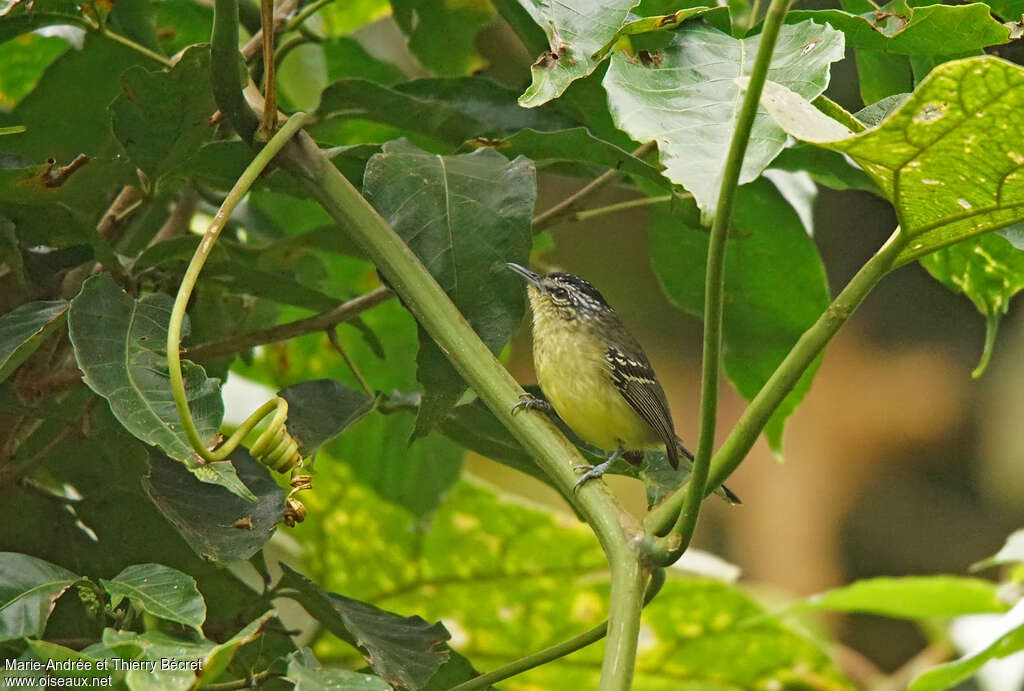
214,522
576,144
22,64
442,33
825,167
1007,639
403,650
904,30
162,117
448,110
153,647
308,675
687,100
346,58
989,271
80,665
647,24
1010,10
911,597
29,588
161,591
1010,553
23,329
321,409
21,18
218,659
945,126
119,345
879,110
464,216
882,74
182,23
775,285
576,29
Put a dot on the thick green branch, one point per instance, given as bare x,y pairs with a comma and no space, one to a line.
782,381
558,650
226,70
714,286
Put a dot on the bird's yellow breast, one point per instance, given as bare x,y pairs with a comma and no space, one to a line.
576,379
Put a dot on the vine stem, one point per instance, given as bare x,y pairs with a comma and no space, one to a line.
557,650
753,420
188,282
714,286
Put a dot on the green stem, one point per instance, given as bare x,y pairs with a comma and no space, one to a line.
224,70
621,206
686,523
782,381
307,12
558,650
188,282
991,327
138,48
835,111
288,45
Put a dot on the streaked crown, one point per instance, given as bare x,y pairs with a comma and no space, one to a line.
571,295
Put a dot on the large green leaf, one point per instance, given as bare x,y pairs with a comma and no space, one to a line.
321,409
574,145
29,588
448,110
989,271
217,525
576,29
23,329
23,62
442,33
159,590
688,99
403,650
148,650
162,117
901,29
950,174
1008,638
118,343
464,216
775,285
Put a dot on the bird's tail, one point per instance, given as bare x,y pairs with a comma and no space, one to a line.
687,463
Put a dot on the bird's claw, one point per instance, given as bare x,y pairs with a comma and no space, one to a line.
592,472
528,401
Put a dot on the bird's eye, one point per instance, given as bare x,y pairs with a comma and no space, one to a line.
560,294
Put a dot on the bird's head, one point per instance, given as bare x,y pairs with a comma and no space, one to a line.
566,295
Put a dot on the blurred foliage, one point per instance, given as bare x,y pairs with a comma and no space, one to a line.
118,543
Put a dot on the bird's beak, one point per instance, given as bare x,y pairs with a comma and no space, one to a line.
524,273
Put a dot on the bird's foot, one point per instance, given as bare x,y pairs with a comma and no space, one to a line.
528,401
592,472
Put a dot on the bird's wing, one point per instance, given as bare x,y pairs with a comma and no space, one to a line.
635,380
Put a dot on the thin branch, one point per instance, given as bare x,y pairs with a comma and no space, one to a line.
109,225
306,12
282,332
250,682
269,123
255,44
332,336
178,220
556,651
714,291
928,657
559,211
588,214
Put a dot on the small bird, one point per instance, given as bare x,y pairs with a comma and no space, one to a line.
596,375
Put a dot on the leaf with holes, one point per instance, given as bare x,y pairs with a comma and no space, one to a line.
576,30
950,174
464,216
686,98
119,345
